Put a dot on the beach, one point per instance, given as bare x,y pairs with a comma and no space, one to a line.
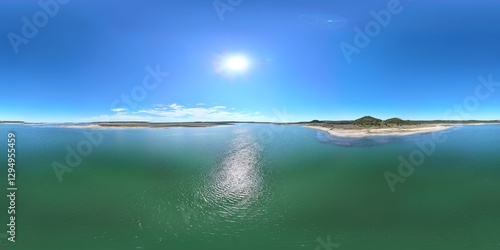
95,126
145,125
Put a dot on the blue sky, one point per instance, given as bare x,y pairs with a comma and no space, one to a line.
87,57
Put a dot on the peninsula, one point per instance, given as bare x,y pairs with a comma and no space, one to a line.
144,125
370,126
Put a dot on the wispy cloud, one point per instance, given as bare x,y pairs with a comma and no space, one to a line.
179,113
175,106
119,110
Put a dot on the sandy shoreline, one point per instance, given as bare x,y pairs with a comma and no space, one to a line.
82,126
396,131
144,125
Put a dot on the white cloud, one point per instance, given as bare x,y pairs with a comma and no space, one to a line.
160,105
178,113
118,110
216,113
175,106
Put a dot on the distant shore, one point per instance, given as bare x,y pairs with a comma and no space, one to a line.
363,127
341,131
146,125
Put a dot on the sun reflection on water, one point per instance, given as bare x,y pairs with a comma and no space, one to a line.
236,183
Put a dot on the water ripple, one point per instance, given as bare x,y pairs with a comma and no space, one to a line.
236,183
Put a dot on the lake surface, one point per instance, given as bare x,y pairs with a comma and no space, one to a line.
251,186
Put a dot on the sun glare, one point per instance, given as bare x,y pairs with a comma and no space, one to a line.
236,63
232,66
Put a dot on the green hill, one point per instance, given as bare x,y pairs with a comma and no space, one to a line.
396,121
368,121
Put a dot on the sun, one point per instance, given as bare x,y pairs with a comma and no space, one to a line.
236,63
232,66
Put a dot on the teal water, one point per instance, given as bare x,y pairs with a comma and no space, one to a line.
252,187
